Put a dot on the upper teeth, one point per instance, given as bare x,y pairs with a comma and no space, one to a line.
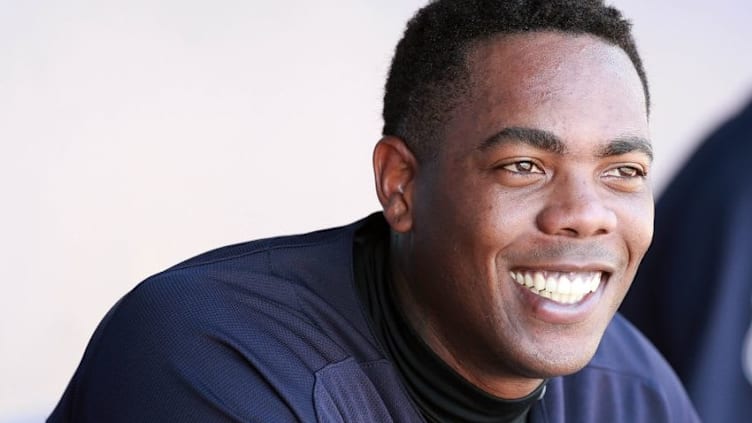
567,288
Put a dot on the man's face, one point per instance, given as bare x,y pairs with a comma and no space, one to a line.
540,180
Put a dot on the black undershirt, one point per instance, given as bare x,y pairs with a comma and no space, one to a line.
441,394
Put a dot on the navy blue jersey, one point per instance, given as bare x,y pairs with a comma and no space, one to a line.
274,331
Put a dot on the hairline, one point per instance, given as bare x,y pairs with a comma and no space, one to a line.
464,79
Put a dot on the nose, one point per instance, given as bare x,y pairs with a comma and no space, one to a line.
576,208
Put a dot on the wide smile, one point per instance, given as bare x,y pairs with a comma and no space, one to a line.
559,287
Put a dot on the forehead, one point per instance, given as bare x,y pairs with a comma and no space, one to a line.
575,86
549,57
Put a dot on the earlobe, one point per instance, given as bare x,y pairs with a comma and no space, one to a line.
394,167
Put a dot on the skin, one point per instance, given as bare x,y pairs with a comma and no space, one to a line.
542,167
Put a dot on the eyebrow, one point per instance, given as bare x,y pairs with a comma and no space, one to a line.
626,145
545,140
538,138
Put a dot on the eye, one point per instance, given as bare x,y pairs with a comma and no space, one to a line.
625,172
523,167
626,178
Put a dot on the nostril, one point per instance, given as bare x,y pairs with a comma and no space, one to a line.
569,232
576,219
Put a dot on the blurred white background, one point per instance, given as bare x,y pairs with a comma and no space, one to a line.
136,134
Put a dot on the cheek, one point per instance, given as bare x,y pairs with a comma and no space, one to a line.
638,227
512,213
494,220
471,217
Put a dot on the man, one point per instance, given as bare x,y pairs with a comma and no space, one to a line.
516,209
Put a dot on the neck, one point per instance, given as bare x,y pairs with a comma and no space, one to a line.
495,381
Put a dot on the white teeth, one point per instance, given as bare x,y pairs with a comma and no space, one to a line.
595,282
539,281
578,286
565,288
551,284
529,280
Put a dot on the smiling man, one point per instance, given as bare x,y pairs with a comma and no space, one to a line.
517,241
513,174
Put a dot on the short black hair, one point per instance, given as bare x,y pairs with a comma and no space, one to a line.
428,73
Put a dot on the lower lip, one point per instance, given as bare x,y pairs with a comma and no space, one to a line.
558,313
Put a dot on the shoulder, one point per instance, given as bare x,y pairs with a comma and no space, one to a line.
254,286
239,322
626,381
264,292
267,255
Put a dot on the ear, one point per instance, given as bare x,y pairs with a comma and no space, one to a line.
395,168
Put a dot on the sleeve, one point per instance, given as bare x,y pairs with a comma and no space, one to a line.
171,352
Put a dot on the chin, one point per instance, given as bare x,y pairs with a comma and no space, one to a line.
559,368
550,361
